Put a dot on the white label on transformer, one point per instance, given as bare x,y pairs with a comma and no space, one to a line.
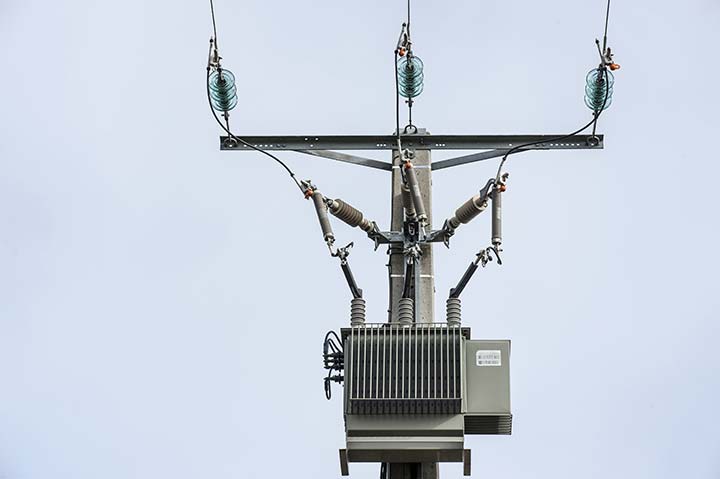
488,358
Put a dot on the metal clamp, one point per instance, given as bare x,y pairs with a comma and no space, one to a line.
343,252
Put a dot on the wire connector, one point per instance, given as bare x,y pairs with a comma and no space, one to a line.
606,55
403,44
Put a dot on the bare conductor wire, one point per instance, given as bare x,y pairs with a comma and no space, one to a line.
212,13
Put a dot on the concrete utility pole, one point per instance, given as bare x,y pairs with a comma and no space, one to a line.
424,279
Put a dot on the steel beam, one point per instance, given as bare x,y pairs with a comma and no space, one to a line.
345,158
420,142
463,160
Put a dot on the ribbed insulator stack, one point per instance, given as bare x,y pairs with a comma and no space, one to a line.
223,93
468,211
599,89
357,312
350,215
405,310
453,312
410,76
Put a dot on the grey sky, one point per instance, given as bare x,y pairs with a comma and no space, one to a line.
162,304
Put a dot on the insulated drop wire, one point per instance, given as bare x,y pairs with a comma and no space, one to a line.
519,148
397,103
607,89
240,140
213,102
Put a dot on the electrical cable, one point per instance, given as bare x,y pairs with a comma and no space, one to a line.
397,104
226,126
332,333
397,83
518,148
592,123
212,13
333,360
409,40
329,343
240,140
607,20
327,386
410,100
408,18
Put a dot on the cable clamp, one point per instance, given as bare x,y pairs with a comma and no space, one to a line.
374,235
502,184
412,253
342,253
606,57
448,231
214,60
307,188
403,44
484,257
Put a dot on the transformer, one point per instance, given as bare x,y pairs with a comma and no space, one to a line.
413,391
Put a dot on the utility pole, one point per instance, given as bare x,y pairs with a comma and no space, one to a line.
378,425
424,279
413,386
424,275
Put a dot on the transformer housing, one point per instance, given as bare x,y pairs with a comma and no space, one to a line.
413,391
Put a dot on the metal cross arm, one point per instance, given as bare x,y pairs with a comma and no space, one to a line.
322,146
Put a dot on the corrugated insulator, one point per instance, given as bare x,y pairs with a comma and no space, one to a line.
599,89
410,76
454,317
406,307
357,311
468,211
350,215
223,93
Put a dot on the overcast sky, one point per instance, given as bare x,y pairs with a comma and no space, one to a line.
163,304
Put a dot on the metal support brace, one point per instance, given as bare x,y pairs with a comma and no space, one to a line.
355,160
463,160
